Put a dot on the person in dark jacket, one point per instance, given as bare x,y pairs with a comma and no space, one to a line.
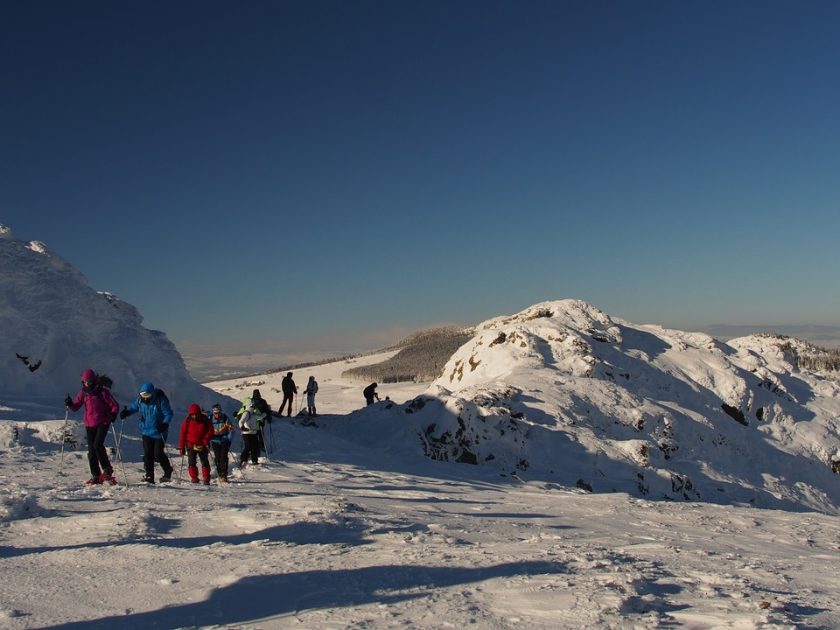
370,393
155,416
100,410
222,436
196,433
289,390
264,408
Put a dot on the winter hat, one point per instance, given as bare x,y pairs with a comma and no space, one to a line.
217,406
89,375
147,388
256,394
194,409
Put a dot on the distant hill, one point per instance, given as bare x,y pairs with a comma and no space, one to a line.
421,357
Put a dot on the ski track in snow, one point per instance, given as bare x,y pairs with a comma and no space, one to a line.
312,540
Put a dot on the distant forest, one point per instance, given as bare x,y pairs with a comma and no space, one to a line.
421,358
815,358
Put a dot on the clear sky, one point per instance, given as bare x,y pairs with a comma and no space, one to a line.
245,171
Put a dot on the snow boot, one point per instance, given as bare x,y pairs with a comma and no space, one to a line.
93,481
193,470
205,475
148,478
107,477
167,477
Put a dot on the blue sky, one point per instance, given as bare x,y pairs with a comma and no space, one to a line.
299,170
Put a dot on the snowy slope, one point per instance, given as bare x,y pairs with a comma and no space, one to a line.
563,393
331,534
50,314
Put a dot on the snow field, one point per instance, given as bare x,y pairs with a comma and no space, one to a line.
329,535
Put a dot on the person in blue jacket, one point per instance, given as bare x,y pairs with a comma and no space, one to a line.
155,416
222,435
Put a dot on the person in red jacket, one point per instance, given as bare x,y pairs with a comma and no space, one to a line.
100,411
196,433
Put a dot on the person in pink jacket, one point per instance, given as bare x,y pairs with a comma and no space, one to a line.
100,410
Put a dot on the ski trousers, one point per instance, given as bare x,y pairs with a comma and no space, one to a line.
202,455
154,450
220,454
289,398
97,454
250,448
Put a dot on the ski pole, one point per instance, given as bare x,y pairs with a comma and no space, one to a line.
63,441
119,456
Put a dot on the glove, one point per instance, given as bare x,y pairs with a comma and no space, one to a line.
124,413
68,401
161,427
183,452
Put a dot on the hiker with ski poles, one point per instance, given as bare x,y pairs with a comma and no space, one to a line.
261,405
196,432
155,416
100,411
220,443
249,420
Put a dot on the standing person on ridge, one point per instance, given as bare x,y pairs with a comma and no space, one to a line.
155,416
196,432
370,393
248,423
311,390
222,434
100,410
289,390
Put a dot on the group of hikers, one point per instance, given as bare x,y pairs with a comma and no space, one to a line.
200,434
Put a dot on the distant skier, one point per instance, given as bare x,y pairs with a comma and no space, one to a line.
155,416
289,390
248,422
100,410
311,390
222,435
196,433
370,393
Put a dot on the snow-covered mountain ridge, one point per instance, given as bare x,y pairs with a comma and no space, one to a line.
565,393
55,325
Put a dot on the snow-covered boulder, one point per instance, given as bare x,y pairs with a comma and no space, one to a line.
55,325
563,392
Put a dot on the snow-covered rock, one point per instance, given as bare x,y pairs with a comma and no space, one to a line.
55,325
563,392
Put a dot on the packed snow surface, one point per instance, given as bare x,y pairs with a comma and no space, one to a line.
330,534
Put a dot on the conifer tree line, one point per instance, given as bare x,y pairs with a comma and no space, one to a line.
814,358
421,358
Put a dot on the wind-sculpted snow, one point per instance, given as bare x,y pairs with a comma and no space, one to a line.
564,393
55,325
